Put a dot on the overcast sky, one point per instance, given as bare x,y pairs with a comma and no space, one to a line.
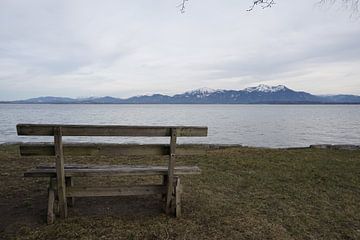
124,48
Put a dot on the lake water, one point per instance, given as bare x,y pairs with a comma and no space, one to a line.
251,125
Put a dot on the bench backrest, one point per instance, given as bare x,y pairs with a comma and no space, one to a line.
110,130
86,149
58,149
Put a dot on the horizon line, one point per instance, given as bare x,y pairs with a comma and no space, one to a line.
188,91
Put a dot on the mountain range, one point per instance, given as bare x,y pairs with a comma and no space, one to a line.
262,94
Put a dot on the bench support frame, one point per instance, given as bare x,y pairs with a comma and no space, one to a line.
53,208
51,201
178,192
171,170
60,172
69,182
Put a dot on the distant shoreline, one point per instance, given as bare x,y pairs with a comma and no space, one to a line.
262,94
266,103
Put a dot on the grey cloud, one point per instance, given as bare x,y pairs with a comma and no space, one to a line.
124,48
282,59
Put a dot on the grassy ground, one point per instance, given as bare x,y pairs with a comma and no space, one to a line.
243,193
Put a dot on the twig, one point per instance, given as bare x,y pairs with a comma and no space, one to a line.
182,6
262,3
351,5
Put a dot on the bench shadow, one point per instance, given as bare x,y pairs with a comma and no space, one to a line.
117,206
21,212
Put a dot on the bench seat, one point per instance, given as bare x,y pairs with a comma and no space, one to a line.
115,191
85,170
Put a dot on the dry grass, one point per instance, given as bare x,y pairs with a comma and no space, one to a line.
243,193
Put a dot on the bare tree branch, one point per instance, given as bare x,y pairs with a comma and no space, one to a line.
182,6
262,3
351,5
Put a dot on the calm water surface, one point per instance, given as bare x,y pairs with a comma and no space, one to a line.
251,125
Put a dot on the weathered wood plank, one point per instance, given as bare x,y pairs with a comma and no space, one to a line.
60,172
110,130
115,191
111,150
69,182
112,170
50,218
171,167
96,149
165,180
178,192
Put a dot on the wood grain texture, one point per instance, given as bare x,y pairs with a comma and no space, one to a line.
110,130
108,149
50,218
60,172
178,191
171,167
115,191
111,170
69,182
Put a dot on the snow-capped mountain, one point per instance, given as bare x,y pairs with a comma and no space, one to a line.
262,94
203,90
47,99
266,88
197,93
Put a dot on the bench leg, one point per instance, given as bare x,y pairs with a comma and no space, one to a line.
178,191
164,182
176,198
51,200
69,182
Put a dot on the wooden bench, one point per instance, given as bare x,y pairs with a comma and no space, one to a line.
62,191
